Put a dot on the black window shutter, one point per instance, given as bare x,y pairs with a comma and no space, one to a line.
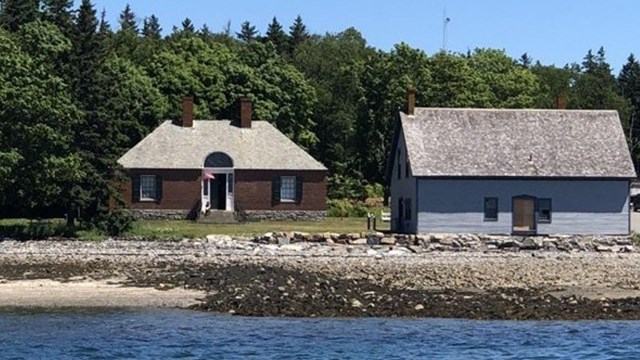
158,188
135,188
275,190
298,189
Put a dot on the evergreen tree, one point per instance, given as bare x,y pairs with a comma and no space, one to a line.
297,33
205,34
596,87
151,28
15,13
59,13
104,27
277,36
187,27
87,59
128,21
126,41
87,53
525,61
629,80
247,33
226,30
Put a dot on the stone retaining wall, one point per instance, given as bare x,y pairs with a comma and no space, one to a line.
160,214
462,242
281,215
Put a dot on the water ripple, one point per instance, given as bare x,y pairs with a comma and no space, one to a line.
177,334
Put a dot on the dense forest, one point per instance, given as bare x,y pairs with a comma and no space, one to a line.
76,92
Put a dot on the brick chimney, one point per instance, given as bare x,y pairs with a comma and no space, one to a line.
245,113
561,101
411,101
187,111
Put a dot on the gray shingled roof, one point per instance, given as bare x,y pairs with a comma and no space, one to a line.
528,143
262,147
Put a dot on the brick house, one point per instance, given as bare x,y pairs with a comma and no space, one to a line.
204,169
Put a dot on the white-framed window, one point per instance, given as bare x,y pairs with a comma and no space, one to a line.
148,188
288,189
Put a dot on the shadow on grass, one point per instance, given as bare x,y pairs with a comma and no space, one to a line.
36,230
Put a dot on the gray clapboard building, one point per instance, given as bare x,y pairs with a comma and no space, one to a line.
509,172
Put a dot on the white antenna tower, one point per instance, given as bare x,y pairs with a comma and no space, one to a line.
445,22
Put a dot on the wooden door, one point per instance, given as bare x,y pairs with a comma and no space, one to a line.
524,220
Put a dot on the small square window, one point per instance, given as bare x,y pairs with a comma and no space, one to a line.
490,209
147,187
288,189
544,211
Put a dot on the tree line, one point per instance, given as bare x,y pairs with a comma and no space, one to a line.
76,92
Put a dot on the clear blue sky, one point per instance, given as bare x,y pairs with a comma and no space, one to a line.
552,31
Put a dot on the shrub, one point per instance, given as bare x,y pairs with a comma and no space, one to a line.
346,187
374,190
114,222
348,208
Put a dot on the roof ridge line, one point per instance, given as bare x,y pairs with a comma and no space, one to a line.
519,109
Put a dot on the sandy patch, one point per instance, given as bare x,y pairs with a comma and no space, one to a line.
596,293
91,293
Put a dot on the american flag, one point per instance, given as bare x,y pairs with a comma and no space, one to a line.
208,175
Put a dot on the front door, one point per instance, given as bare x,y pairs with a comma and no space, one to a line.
524,220
217,191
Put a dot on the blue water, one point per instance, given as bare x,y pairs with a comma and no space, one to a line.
180,334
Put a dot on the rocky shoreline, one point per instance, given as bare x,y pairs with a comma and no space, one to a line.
259,277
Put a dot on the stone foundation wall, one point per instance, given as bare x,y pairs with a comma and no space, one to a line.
281,215
160,214
247,215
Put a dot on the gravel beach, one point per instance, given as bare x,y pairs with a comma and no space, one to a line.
242,277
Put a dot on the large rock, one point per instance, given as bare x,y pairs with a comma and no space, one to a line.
373,240
387,241
446,240
301,236
603,248
283,240
531,243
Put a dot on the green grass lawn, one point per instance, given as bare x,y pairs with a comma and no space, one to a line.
190,229
39,229
26,229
